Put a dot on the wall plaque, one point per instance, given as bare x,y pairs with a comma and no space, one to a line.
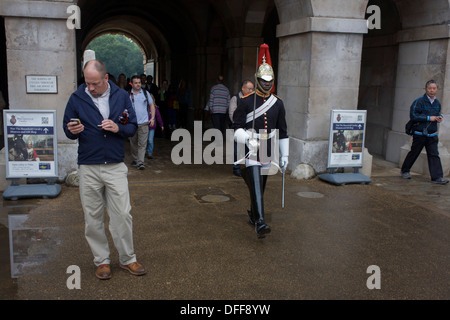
41,84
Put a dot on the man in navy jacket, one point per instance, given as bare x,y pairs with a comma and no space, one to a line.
99,114
426,113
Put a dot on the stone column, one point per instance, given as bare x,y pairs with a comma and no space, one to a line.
38,42
319,70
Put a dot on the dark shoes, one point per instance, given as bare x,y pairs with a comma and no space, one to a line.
103,272
237,170
440,181
134,268
406,175
261,229
140,166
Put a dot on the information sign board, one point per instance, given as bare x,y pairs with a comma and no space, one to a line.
30,144
346,141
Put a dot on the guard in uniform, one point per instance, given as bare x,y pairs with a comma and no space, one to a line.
257,119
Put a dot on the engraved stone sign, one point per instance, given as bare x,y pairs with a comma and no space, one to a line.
41,84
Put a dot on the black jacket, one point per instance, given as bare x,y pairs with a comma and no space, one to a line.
420,112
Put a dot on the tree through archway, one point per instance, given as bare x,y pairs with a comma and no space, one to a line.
119,53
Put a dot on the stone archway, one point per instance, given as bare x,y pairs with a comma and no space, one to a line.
131,28
378,76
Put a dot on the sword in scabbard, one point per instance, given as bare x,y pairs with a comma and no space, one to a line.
254,97
282,189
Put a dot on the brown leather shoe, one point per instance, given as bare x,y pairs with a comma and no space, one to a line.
103,272
134,268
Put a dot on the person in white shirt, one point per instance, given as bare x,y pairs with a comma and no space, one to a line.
247,87
145,113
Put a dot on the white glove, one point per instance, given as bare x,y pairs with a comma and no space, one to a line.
284,153
253,145
242,136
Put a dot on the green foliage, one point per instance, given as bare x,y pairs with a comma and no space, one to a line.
119,53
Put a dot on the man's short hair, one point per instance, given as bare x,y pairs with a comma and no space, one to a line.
246,81
98,65
431,82
135,77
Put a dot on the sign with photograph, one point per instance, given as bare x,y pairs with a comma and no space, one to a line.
41,84
30,144
346,142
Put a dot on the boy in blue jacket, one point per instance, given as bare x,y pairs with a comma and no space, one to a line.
99,114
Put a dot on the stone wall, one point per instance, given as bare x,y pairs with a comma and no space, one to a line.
319,71
38,42
422,55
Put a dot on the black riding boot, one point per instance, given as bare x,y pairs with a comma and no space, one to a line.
245,175
256,184
237,170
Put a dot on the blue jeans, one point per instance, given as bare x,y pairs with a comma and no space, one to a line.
151,135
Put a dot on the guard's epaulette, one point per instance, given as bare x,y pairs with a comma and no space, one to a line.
248,94
276,96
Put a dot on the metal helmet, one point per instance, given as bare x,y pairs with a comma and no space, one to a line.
265,71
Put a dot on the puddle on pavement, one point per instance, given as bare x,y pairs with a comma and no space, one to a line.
21,246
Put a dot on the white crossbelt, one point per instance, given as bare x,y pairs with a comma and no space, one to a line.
262,109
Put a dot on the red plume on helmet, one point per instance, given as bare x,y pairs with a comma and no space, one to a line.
264,53
265,70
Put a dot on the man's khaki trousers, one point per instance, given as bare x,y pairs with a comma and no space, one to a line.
138,143
106,185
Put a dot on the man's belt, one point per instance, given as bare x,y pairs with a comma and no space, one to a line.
262,109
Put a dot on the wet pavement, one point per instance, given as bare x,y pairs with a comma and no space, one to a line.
191,233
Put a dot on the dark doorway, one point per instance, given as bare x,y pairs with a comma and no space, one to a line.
3,77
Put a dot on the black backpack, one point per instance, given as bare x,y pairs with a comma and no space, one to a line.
410,127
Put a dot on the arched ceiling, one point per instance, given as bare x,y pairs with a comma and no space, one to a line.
134,28
157,24
173,26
